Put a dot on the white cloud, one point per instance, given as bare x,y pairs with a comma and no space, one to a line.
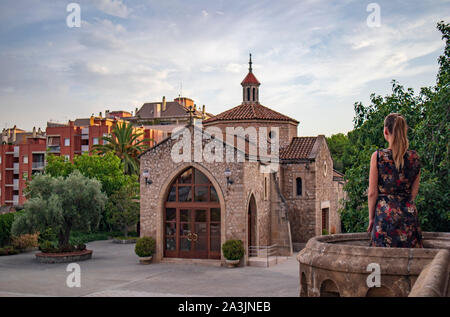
113,7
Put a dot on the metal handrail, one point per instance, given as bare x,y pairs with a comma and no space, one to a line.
270,250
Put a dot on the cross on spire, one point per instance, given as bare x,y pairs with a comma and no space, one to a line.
191,112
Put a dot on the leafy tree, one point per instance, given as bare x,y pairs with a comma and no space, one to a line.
62,204
428,119
123,209
126,144
107,169
341,151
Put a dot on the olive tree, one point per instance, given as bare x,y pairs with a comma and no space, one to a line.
63,204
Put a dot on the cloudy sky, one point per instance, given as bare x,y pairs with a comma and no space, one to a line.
314,58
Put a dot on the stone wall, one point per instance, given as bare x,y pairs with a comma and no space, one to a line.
337,265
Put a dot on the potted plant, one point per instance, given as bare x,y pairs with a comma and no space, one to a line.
233,251
144,249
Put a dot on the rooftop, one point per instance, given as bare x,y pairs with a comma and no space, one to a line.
253,111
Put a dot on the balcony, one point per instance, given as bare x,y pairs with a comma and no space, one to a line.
38,165
85,148
54,148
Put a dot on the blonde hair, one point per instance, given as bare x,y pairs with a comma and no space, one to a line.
397,127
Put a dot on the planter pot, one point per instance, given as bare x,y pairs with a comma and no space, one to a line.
146,260
67,257
232,263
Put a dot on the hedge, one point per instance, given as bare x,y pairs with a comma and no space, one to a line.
6,221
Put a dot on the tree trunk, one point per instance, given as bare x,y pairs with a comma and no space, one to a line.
64,235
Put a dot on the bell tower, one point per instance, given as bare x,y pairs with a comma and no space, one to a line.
250,86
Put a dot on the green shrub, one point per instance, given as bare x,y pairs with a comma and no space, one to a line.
8,250
145,247
6,221
233,250
324,232
46,235
48,247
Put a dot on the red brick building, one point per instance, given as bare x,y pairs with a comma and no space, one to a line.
21,154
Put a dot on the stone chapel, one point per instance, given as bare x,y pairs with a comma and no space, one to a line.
191,207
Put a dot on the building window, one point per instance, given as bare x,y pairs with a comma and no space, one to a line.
67,158
298,182
25,176
66,142
95,141
25,160
266,187
325,220
105,135
248,94
0,160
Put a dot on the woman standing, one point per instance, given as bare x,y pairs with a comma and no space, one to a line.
393,185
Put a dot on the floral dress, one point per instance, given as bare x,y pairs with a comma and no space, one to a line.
396,223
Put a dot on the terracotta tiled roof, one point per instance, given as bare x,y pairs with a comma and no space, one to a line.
250,112
250,79
299,148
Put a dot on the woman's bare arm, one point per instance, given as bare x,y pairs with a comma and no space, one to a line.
373,189
415,187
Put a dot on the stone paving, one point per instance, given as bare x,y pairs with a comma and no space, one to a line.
114,271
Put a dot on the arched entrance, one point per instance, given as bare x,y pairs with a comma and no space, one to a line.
251,223
192,217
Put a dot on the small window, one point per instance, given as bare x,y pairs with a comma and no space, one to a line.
105,135
66,142
299,186
254,94
67,158
25,160
95,141
266,188
25,176
248,94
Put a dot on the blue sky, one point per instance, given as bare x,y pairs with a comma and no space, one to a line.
314,58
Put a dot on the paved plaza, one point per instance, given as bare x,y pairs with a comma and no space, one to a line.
114,270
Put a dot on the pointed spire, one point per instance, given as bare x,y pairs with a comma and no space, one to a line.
250,64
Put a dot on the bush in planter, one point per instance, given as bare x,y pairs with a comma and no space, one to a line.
48,247
233,250
145,247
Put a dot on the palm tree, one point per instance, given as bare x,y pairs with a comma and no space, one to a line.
124,142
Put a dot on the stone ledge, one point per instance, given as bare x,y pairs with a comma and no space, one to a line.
433,280
66,257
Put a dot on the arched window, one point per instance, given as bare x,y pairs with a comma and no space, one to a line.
298,183
248,93
254,94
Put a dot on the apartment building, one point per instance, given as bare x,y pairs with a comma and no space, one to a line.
21,154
